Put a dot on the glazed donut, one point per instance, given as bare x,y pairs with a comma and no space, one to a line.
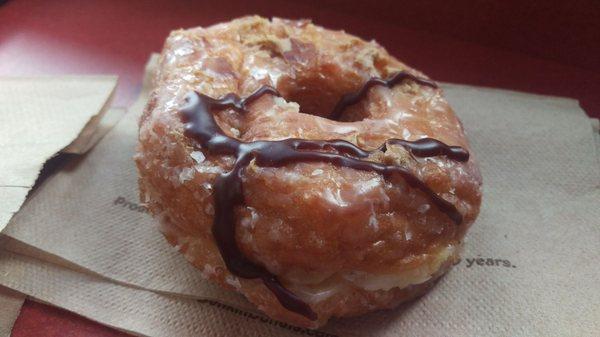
305,168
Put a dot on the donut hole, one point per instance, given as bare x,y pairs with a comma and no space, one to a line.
318,90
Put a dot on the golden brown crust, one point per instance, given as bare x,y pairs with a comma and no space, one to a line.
374,242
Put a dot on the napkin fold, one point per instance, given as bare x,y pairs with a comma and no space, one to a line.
137,311
38,118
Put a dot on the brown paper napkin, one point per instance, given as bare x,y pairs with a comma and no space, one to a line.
43,279
527,268
94,130
38,118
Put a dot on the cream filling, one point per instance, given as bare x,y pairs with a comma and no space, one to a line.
404,278
374,282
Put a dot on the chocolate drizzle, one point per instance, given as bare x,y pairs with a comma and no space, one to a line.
355,97
201,126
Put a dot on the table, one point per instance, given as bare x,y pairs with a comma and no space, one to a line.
551,49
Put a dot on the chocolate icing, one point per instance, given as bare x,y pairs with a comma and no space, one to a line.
355,97
201,126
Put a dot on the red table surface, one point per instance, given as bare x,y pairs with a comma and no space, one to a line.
551,49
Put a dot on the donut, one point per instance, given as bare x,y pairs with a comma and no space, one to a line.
305,168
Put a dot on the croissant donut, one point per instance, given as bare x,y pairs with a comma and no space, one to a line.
305,168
